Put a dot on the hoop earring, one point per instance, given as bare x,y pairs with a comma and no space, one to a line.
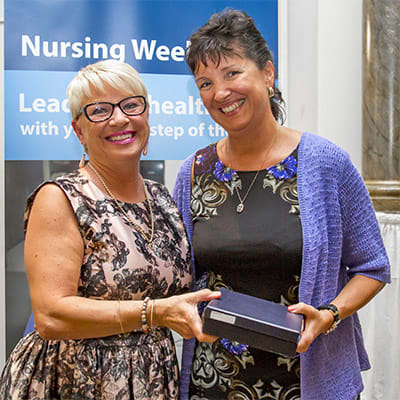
146,149
271,92
82,162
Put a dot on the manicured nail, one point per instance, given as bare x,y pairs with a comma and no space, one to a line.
291,308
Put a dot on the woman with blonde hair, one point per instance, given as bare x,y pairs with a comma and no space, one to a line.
107,260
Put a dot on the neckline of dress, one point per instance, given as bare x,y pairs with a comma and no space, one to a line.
255,171
108,197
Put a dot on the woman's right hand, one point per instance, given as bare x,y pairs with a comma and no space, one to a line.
180,314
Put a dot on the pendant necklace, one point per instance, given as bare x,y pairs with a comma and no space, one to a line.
148,238
240,206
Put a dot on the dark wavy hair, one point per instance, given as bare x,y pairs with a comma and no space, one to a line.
232,32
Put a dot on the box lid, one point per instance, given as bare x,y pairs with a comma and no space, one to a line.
255,314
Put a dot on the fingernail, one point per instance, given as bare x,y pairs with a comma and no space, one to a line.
291,308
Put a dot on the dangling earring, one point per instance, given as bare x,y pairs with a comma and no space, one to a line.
271,92
82,162
146,149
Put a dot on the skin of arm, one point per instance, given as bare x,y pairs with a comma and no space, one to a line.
357,292
53,257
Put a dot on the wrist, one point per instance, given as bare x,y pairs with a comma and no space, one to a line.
158,312
335,318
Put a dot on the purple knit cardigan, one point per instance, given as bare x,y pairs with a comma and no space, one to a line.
341,238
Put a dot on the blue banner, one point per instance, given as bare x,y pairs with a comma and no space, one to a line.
46,42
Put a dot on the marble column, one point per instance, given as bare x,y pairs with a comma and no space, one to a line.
381,103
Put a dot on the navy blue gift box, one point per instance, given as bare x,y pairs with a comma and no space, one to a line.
256,322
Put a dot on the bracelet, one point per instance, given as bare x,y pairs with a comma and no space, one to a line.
335,314
145,328
119,317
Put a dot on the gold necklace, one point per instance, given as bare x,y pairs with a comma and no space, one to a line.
240,206
148,238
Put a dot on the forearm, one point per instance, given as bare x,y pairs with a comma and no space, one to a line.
74,317
356,294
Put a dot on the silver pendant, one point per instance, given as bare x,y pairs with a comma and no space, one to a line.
240,208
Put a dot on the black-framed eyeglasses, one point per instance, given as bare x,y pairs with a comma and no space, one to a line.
103,110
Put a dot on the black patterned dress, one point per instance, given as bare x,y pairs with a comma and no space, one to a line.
256,252
117,264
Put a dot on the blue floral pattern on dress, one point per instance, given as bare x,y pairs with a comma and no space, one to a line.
282,170
234,347
285,169
213,181
223,173
205,160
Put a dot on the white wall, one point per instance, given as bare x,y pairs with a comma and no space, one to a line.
171,170
340,74
325,70
302,96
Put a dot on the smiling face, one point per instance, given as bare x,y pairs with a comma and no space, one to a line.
118,138
235,92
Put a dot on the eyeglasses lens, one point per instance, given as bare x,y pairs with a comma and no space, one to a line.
133,105
99,111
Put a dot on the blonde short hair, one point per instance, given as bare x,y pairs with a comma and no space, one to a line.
119,75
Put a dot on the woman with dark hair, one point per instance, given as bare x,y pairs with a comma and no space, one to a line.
278,214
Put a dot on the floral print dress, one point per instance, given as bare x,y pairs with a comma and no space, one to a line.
117,264
257,252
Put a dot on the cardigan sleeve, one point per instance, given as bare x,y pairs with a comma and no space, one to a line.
177,192
181,195
363,249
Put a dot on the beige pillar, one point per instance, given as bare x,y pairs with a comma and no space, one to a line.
381,103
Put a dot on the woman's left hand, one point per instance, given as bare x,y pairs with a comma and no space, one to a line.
315,323
358,291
